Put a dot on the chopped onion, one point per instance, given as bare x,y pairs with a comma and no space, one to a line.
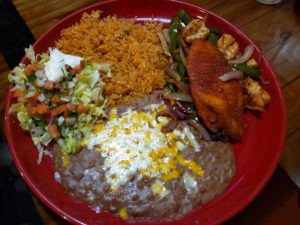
65,98
50,119
177,80
178,97
42,97
255,108
173,66
174,112
204,133
263,81
71,84
57,177
61,142
41,153
60,120
165,32
40,74
246,56
182,56
70,120
183,45
235,74
170,126
27,85
184,109
37,131
164,44
173,74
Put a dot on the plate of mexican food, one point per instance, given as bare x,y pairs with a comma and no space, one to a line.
145,112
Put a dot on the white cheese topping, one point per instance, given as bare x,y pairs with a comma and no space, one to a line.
131,143
191,138
55,67
190,183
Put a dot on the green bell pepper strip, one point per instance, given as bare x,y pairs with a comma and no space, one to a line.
174,33
172,87
252,72
181,69
214,35
186,18
31,78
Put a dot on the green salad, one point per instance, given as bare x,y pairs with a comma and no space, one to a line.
58,98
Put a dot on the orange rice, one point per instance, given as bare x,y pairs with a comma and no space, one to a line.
133,51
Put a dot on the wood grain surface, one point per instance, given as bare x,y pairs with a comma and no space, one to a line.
275,29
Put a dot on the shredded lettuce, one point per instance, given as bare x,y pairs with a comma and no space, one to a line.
44,139
45,57
89,88
71,145
17,76
26,122
96,111
30,54
90,75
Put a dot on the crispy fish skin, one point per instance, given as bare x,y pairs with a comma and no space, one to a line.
220,104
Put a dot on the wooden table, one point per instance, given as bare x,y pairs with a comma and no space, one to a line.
275,29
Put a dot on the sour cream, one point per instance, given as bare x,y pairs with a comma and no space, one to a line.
55,68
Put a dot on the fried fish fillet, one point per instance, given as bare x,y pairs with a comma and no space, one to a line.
220,104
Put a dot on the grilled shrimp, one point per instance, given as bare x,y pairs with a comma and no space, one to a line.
228,46
196,29
252,63
258,98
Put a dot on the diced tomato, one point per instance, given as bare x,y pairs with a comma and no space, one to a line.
34,97
31,110
42,109
70,106
18,93
53,130
55,98
81,108
80,66
58,110
38,109
31,69
49,85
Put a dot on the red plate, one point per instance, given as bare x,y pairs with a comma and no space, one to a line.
257,155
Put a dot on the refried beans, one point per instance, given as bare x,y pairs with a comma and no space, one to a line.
154,182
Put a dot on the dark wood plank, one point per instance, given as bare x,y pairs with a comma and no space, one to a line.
285,59
272,29
242,12
290,158
291,94
207,4
40,14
